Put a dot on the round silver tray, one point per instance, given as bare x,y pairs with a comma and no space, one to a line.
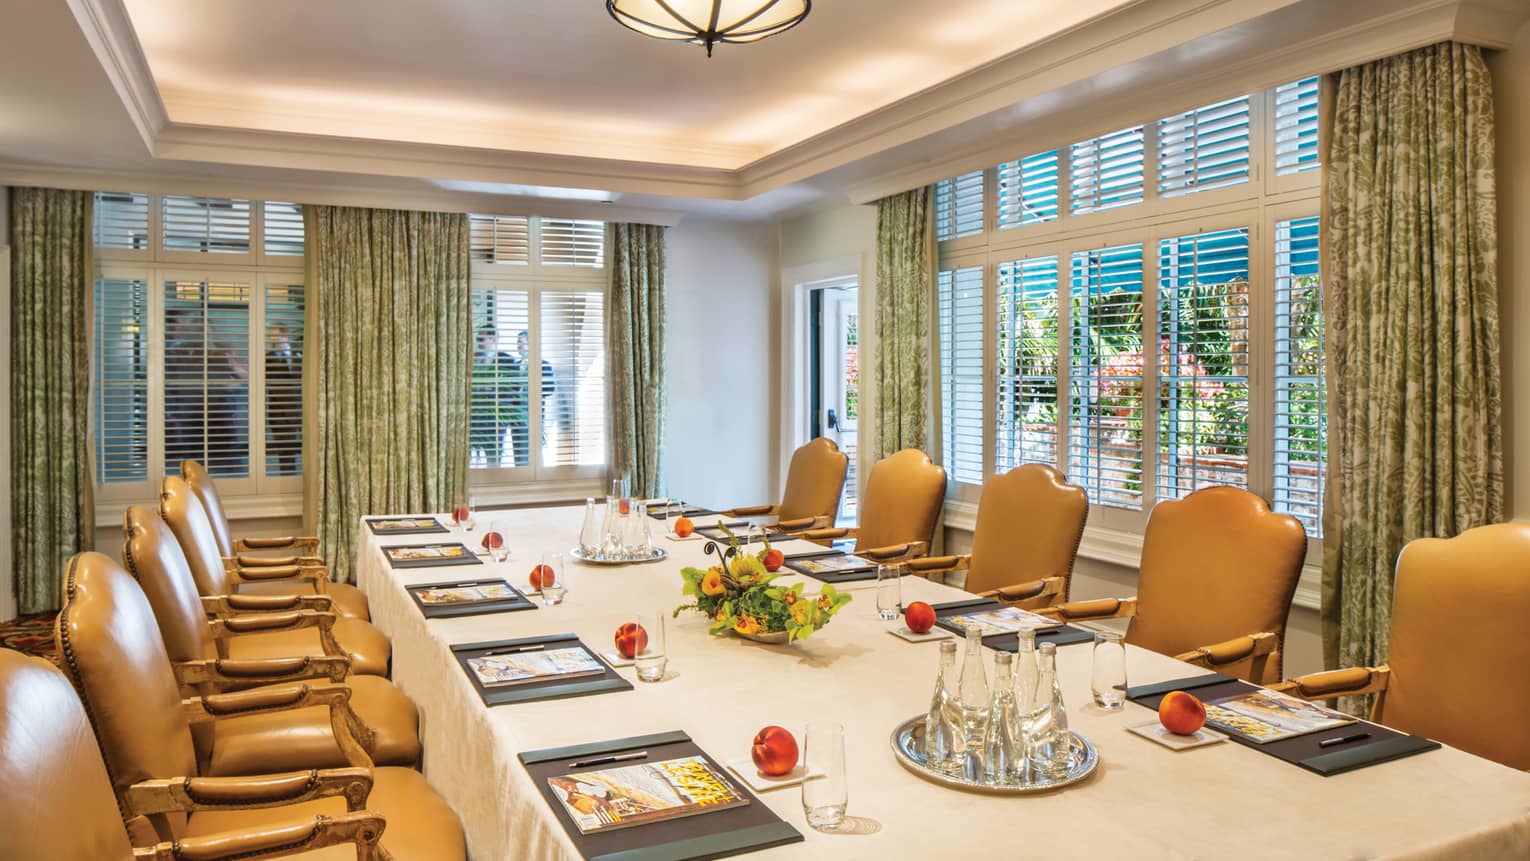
908,741
578,553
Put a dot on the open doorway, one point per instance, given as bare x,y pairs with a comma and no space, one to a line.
834,378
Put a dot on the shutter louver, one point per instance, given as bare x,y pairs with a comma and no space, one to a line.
1296,126
573,242
205,225
1107,171
1301,404
501,239
1203,355
121,379
207,346
573,378
1026,423
500,417
961,372
121,221
1204,148
1027,190
283,229
283,348
1105,377
959,206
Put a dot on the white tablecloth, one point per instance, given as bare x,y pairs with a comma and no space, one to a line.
1144,802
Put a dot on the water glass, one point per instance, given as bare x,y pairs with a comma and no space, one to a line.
889,592
470,509
590,538
554,592
1109,670
824,795
652,658
494,541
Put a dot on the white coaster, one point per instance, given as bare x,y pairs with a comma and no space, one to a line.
1155,731
903,632
744,768
692,537
615,659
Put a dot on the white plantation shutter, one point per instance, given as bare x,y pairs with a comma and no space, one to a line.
209,225
206,373
1104,381
1027,190
1301,403
283,349
503,239
573,377
573,242
1203,332
961,372
1204,148
121,221
121,384
1026,425
283,229
959,206
1296,126
500,419
1106,171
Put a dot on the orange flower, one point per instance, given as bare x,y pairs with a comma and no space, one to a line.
712,582
747,625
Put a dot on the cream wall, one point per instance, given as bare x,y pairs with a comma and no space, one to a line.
1511,85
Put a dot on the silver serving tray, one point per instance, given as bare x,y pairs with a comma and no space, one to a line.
907,741
594,559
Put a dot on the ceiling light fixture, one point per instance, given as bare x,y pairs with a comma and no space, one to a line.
709,22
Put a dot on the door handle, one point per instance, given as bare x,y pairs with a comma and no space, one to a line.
833,420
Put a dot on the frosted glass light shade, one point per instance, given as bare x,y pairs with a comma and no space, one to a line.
709,22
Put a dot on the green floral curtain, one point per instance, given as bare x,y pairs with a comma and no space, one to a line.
51,501
387,371
1412,305
905,280
635,340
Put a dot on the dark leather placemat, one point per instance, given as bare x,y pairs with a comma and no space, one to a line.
852,576
468,608
436,527
682,510
549,689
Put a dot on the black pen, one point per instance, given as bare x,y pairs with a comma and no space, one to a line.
1330,742
537,648
607,760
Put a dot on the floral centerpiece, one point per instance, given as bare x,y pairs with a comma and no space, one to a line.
737,595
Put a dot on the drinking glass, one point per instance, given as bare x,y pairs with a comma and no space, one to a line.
471,508
620,489
494,542
1109,670
635,536
824,795
462,510
554,592
589,534
889,592
652,658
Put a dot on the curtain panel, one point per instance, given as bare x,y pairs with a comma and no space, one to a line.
386,379
635,342
905,287
52,505
1412,305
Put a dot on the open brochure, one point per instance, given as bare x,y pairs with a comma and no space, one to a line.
833,565
627,795
1000,620
1265,716
424,552
534,665
465,594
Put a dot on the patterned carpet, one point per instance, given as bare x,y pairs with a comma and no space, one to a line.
30,634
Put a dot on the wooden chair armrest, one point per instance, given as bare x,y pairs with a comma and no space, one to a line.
895,552
307,544
354,738
234,604
927,565
751,511
262,623
1084,611
1347,682
830,534
800,524
229,673
1047,590
190,794
264,573
246,560
361,829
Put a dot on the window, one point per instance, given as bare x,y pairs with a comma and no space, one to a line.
121,379
1028,190
206,375
1296,126
961,371
573,242
1204,148
573,376
122,222
1105,375
1301,405
501,239
205,225
959,206
1106,171
1026,423
283,348
283,229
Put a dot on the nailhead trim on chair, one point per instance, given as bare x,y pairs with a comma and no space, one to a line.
67,656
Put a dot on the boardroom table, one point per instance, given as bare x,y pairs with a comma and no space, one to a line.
1143,802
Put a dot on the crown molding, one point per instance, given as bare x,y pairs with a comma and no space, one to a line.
111,36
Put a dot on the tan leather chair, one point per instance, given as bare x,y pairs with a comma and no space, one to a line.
348,600
1455,670
814,481
1029,523
367,648
1218,572
257,743
111,650
898,511
56,800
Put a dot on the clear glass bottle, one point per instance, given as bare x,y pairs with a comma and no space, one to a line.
1004,742
974,692
1049,740
590,537
1025,673
942,724
611,530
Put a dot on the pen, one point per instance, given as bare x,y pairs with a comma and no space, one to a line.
1330,742
537,648
607,760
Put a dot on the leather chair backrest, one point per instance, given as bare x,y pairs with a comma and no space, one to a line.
903,497
110,648
1460,642
814,481
56,797
202,485
1029,524
155,560
1217,564
181,509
